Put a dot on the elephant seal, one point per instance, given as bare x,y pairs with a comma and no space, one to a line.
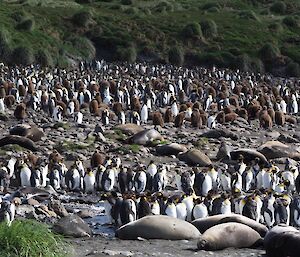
18,140
145,137
249,155
25,130
204,224
227,235
158,227
282,241
170,149
194,157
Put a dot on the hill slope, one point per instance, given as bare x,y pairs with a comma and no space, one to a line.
247,34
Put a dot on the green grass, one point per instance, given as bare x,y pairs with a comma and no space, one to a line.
122,31
26,238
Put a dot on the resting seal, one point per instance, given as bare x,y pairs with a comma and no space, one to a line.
205,223
226,235
158,227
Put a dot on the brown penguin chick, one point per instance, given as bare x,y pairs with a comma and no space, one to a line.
157,119
98,98
197,105
242,112
168,117
181,96
264,119
117,108
204,116
290,119
76,105
63,106
229,117
94,106
179,119
183,108
253,111
135,104
227,109
20,111
9,101
196,120
2,92
97,159
279,118
234,100
22,90
271,112
33,159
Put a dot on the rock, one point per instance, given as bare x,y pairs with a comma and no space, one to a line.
170,149
129,128
217,133
58,208
85,214
113,253
287,139
249,155
43,209
195,157
24,210
32,202
72,226
145,137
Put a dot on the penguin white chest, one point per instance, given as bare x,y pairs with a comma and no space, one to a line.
25,175
181,211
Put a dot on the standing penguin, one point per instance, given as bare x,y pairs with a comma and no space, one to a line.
181,210
8,211
268,210
170,209
144,114
160,180
73,179
122,180
143,207
282,210
150,173
89,181
250,208
128,211
174,108
247,178
108,179
140,181
295,211
25,175
199,210
105,117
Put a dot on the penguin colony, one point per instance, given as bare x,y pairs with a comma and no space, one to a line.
155,95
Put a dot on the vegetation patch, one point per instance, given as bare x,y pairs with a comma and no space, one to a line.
26,238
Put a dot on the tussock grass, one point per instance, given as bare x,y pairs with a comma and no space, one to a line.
26,238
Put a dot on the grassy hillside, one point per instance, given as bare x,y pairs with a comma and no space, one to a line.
249,34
